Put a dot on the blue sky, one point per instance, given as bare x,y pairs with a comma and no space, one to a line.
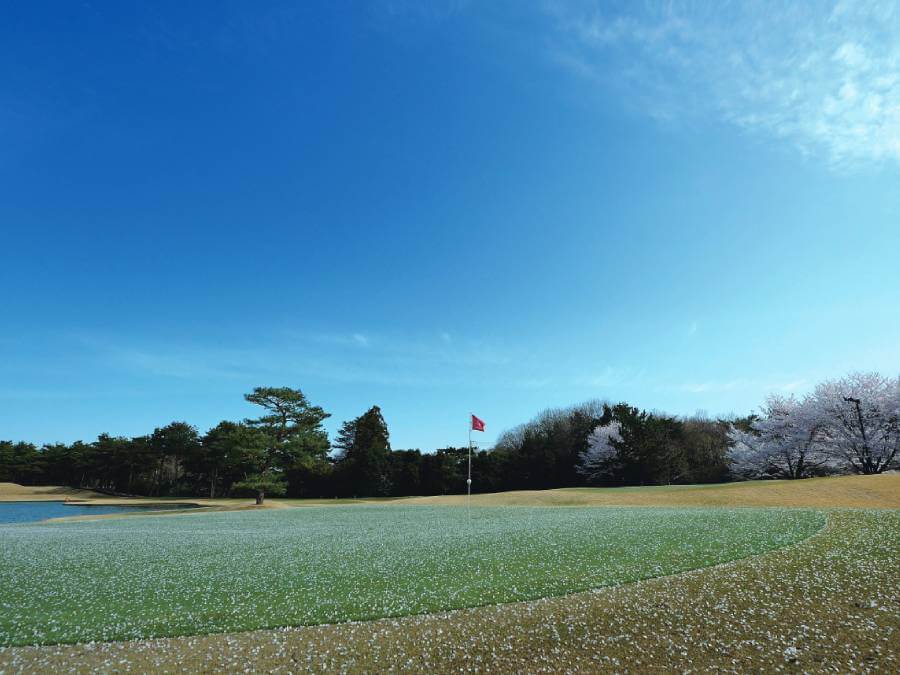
440,207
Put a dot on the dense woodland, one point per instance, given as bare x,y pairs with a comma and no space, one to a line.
849,425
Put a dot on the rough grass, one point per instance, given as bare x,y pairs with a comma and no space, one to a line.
150,576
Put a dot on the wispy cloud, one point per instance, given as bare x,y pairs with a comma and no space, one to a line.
738,384
714,386
426,361
792,385
822,77
423,362
51,395
180,363
339,339
607,378
334,357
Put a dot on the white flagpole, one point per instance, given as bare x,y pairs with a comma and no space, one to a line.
469,479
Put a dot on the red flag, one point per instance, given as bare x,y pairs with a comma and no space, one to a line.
477,424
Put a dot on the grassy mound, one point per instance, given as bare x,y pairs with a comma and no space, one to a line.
143,577
866,492
13,492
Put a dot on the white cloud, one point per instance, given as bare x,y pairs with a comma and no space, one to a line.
851,55
827,82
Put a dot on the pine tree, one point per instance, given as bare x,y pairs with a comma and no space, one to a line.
294,433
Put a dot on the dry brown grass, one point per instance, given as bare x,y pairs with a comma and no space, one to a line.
881,491
13,492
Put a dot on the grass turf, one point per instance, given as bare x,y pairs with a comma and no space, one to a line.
149,576
828,604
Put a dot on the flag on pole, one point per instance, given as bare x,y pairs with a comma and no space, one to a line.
477,424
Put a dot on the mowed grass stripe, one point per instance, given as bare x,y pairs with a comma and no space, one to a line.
146,577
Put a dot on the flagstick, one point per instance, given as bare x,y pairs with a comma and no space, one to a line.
469,479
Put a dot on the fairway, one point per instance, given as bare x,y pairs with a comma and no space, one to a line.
143,577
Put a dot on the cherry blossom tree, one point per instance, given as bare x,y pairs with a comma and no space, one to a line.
786,441
748,454
859,418
599,460
851,424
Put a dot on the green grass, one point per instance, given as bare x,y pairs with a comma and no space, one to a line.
149,576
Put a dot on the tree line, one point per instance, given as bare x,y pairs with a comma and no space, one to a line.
849,425
284,451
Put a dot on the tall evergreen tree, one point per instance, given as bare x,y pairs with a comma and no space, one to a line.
171,445
364,455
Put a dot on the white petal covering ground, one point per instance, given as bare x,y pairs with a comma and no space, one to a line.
143,577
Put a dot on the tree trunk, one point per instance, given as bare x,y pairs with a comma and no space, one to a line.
260,496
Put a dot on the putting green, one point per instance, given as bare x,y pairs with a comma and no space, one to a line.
200,573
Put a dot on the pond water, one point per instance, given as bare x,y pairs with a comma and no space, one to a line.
30,512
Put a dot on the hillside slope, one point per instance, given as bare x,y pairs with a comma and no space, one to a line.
881,491
13,492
